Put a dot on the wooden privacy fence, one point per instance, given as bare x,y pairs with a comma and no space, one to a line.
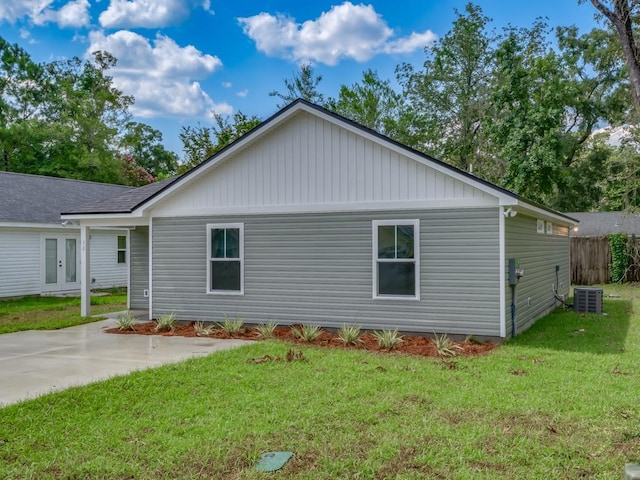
591,261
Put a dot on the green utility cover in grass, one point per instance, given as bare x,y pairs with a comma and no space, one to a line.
272,461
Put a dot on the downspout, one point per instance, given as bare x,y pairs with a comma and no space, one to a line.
513,311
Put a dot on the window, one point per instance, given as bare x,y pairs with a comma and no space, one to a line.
540,226
396,267
225,265
549,228
122,249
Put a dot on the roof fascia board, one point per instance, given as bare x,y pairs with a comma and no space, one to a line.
107,221
34,225
132,217
546,214
122,222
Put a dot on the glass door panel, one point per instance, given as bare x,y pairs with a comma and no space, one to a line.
51,261
70,260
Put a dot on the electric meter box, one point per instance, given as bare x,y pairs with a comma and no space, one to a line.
515,272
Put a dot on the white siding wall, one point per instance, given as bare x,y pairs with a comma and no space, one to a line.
19,262
21,267
106,272
310,161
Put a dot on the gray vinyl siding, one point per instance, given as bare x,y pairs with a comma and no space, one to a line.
139,259
539,254
317,268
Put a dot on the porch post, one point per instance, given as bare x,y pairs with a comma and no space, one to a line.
85,272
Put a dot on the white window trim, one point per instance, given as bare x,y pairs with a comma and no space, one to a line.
125,249
540,226
212,226
416,257
549,228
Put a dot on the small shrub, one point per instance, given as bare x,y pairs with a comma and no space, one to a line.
349,334
473,340
165,322
126,321
231,326
308,333
202,330
445,347
265,330
388,339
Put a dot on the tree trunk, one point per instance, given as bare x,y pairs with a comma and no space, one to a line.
620,17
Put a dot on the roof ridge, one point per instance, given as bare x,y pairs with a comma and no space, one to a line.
66,179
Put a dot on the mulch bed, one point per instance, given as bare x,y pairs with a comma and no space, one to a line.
415,345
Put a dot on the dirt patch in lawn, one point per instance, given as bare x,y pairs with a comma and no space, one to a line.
415,345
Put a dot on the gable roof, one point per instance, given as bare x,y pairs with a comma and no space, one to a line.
125,202
128,203
595,224
39,199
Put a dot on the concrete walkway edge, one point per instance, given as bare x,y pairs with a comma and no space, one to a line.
36,362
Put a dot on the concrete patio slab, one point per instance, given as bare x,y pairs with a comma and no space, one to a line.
36,362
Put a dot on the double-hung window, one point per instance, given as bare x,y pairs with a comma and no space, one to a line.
396,264
225,264
122,249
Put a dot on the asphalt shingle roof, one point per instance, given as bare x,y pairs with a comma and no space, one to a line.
38,199
124,202
595,224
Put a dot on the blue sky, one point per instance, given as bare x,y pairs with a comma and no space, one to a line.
183,59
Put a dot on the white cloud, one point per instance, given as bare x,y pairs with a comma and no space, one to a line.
345,31
161,75
227,84
149,13
243,93
13,11
74,13
413,42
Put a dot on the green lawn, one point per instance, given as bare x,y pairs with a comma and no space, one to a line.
560,401
50,313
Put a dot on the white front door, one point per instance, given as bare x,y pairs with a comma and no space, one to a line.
61,269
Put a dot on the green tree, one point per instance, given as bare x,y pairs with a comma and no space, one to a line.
200,142
197,145
546,103
89,113
144,143
372,103
622,14
622,189
447,100
528,102
597,94
303,84
24,90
